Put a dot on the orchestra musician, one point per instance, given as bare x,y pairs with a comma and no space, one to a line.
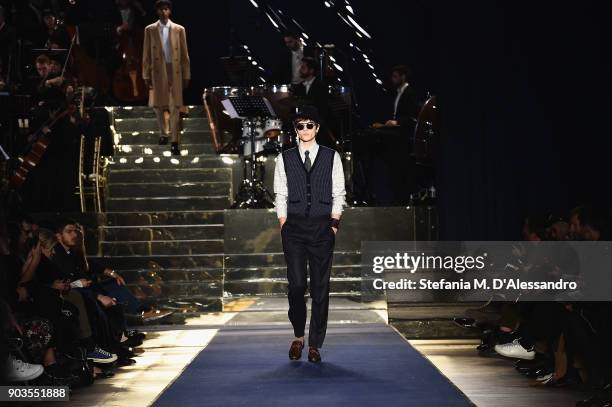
385,150
288,68
166,70
46,190
53,35
51,85
312,91
131,16
46,88
404,110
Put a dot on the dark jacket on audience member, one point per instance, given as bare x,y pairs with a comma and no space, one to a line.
9,278
68,262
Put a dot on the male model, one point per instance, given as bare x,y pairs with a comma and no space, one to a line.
166,70
310,195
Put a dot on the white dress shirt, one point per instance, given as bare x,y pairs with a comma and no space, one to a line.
307,84
400,91
280,181
164,30
126,13
296,62
126,18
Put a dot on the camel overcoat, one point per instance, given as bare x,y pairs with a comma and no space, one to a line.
154,65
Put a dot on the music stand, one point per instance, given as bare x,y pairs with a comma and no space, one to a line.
247,106
252,193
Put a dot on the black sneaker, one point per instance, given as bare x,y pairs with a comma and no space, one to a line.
135,333
132,342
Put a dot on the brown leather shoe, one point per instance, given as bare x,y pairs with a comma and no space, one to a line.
295,352
314,355
155,314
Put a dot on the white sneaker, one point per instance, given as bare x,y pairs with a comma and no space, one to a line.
545,379
515,350
19,371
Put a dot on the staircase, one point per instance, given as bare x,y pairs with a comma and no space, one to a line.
166,232
164,223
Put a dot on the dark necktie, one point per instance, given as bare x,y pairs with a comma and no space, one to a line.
307,160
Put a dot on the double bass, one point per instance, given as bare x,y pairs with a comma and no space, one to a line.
128,85
88,72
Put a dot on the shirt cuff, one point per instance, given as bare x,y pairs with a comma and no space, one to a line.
338,205
281,205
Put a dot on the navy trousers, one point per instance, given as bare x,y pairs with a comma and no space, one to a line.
308,245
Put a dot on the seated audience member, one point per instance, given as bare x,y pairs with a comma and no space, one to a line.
558,229
36,309
13,369
589,223
534,229
107,283
538,321
101,307
51,283
22,236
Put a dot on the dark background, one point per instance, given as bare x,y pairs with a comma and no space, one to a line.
523,90
524,93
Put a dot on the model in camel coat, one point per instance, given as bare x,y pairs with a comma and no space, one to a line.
154,65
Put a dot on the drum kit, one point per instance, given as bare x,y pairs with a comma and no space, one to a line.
270,137
261,132
259,136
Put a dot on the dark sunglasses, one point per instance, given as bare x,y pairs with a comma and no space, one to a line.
301,126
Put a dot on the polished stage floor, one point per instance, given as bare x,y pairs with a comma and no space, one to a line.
239,357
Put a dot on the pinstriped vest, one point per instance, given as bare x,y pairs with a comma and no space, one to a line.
309,193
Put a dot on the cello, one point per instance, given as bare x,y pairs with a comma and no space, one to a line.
40,138
39,147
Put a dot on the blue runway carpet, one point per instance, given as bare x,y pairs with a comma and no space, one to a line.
363,365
